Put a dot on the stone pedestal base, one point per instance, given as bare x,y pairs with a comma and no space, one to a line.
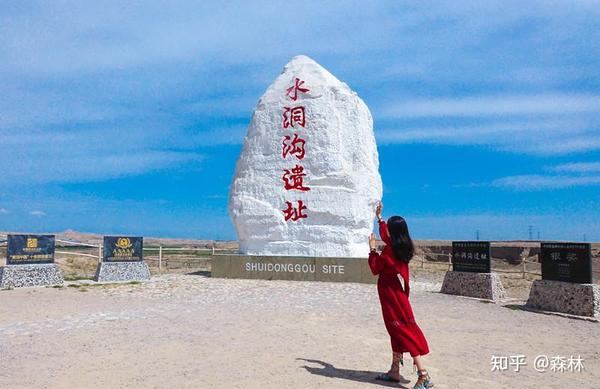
18,276
122,271
292,268
479,285
565,297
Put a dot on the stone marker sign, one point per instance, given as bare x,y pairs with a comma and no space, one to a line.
30,262
471,272
568,262
29,249
307,179
566,285
122,260
123,249
472,256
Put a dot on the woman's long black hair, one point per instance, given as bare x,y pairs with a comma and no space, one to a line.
402,244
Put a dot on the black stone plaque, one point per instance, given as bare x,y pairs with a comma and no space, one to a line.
569,262
29,249
123,249
471,257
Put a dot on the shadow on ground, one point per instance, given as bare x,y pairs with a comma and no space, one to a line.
365,376
525,308
203,273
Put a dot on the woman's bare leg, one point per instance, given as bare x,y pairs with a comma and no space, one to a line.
394,371
419,362
424,380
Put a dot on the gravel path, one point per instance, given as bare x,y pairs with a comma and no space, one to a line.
193,331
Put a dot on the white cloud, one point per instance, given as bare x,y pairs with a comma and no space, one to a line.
484,133
504,105
90,37
88,155
152,81
68,168
4,210
540,182
569,144
231,135
536,136
37,213
576,167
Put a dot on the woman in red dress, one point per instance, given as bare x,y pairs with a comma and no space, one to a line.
405,334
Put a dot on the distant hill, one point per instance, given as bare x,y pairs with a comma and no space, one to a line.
96,239
427,245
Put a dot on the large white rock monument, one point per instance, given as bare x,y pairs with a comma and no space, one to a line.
307,180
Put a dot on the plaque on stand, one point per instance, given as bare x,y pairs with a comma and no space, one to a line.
122,260
471,274
30,262
567,283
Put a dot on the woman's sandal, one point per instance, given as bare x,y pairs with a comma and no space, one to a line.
386,377
423,380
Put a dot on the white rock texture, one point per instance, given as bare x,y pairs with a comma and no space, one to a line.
341,164
18,276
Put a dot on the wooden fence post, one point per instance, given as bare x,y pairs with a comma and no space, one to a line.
524,268
160,258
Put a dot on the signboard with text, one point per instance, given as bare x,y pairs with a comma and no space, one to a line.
569,262
29,249
123,249
471,257
328,269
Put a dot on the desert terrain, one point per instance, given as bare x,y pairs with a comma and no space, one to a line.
192,331
186,329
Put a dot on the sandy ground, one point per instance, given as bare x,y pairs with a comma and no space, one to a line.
193,331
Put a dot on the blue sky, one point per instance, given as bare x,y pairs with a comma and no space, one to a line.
128,117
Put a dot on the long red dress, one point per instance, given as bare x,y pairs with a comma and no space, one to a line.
405,334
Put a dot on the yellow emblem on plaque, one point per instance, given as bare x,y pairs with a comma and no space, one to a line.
32,243
123,243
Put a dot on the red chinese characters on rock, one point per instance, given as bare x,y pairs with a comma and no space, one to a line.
292,91
293,116
294,179
294,214
293,146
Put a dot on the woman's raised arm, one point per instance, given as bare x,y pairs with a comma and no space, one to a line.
374,258
375,263
383,231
